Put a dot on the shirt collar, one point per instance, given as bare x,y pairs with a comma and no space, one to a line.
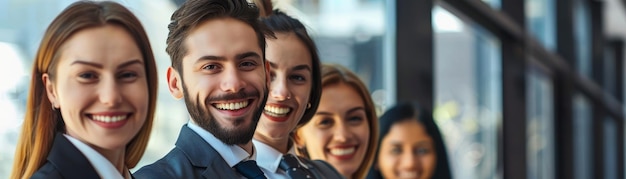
232,154
103,167
269,158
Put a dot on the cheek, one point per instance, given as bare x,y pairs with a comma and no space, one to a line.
138,96
303,94
73,98
386,163
429,162
363,133
315,141
258,79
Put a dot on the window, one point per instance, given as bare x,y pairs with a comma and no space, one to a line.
493,3
582,36
610,148
540,125
583,158
468,93
540,16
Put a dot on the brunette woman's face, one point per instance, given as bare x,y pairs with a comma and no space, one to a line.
407,151
291,72
100,87
339,132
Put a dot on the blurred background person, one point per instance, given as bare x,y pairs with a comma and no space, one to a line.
93,118
410,145
294,94
344,129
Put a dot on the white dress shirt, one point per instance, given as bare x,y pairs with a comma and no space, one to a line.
103,166
269,160
232,154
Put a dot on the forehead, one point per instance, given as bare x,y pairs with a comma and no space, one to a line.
288,50
108,43
221,37
340,97
410,127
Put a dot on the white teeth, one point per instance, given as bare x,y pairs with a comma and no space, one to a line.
108,119
276,111
408,174
232,106
344,151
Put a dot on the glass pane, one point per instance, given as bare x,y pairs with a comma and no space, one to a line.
540,16
610,148
582,37
493,3
540,126
608,74
583,159
468,92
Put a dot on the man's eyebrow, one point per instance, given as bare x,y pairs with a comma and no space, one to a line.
246,55
211,57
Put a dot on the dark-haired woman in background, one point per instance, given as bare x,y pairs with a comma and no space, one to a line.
410,145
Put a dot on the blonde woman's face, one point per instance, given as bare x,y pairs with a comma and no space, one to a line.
407,151
100,87
339,131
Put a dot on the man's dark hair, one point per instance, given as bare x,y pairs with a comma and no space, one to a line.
194,12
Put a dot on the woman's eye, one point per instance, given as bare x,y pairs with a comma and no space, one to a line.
297,78
272,76
326,122
422,151
396,150
128,76
355,120
87,76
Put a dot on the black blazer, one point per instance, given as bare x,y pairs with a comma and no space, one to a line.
65,161
321,169
192,157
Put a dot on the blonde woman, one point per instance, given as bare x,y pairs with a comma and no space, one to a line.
92,96
344,129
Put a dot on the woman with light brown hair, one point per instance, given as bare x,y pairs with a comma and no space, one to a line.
92,96
344,129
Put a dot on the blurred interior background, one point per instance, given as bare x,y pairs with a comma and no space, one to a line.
519,88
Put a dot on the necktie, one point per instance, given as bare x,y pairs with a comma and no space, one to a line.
250,170
292,167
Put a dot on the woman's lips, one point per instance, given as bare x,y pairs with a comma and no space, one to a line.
110,121
342,153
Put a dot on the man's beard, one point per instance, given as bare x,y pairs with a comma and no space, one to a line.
204,118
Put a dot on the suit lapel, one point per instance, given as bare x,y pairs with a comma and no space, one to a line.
202,154
69,161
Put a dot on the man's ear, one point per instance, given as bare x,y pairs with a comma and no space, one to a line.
174,83
50,90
